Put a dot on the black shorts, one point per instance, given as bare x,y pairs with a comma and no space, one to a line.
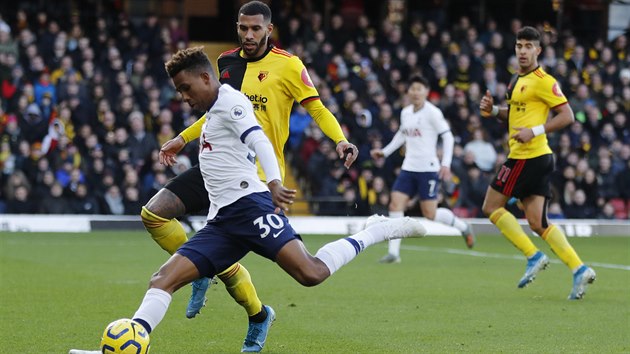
190,189
522,178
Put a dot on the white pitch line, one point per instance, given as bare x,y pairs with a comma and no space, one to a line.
502,256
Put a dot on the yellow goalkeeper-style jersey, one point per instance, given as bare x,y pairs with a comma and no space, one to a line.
272,83
529,98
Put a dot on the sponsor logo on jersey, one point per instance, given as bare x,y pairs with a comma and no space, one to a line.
237,112
259,102
412,132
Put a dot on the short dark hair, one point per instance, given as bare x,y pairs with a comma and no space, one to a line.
419,79
528,33
254,8
188,59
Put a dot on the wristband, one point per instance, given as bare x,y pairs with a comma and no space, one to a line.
495,111
539,129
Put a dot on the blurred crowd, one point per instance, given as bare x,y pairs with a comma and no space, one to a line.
85,107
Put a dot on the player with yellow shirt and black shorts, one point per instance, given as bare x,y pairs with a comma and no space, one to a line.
526,174
272,79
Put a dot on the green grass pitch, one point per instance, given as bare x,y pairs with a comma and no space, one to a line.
59,291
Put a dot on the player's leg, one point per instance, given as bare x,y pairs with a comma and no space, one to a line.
428,187
512,179
175,273
445,216
397,205
535,207
158,217
311,270
185,194
403,189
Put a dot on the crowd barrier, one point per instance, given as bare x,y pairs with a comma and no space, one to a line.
325,225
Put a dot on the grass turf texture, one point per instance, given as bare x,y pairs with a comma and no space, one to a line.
59,291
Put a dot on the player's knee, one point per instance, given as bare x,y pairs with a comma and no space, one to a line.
536,224
150,220
159,280
396,206
488,209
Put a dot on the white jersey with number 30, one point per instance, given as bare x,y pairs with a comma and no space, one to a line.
226,160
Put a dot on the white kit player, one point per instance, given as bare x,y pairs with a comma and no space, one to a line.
421,123
245,214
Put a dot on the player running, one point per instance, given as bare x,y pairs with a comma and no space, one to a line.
526,174
421,124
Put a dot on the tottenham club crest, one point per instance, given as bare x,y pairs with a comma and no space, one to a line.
238,112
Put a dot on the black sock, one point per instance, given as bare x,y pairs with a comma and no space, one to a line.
259,317
144,324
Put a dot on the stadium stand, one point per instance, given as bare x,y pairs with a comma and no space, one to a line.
86,103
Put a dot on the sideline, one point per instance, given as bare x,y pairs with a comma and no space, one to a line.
501,256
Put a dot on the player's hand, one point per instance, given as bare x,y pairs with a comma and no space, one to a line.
347,152
523,135
281,196
168,152
376,154
445,173
485,106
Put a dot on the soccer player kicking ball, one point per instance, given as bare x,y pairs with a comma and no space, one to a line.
526,173
273,80
245,214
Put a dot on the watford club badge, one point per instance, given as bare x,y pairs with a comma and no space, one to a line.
262,75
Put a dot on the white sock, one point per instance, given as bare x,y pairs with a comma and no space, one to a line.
338,253
153,307
446,216
393,246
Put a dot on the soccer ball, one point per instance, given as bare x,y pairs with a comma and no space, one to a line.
125,336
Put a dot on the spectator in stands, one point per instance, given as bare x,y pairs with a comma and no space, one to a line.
607,212
578,209
54,202
483,151
82,202
113,201
33,127
92,87
20,203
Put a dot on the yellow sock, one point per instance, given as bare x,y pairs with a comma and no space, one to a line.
561,247
239,284
169,234
510,228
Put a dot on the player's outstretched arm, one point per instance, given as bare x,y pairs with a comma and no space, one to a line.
331,128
